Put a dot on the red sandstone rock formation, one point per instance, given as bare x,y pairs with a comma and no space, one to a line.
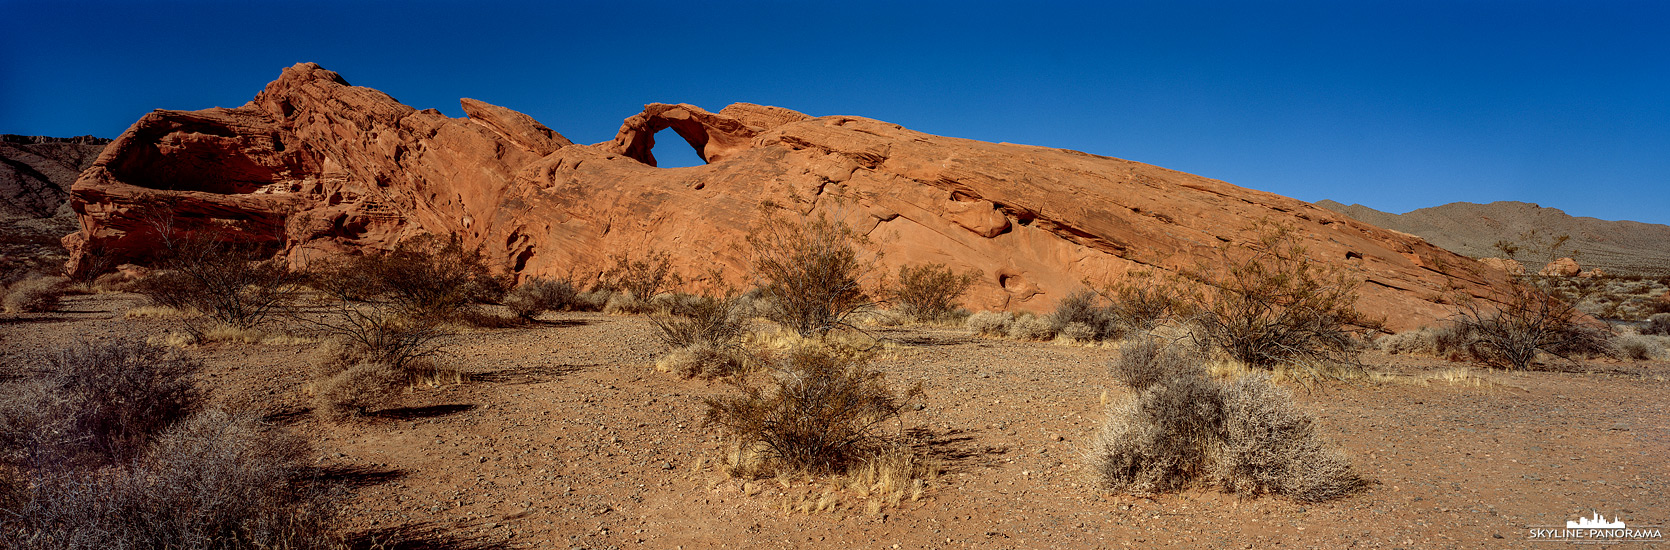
317,166
1509,266
1563,267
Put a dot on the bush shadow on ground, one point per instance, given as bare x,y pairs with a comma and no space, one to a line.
415,413
956,450
358,477
425,536
529,374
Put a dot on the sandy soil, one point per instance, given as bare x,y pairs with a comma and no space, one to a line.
567,438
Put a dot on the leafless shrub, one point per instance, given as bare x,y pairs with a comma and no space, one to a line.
990,323
1276,306
35,294
1076,332
702,360
379,335
1139,305
1180,427
429,276
709,320
930,292
537,295
216,481
810,269
818,413
1527,321
231,283
94,404
642,277
1268,445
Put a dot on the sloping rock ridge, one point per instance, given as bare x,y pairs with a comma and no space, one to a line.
316,167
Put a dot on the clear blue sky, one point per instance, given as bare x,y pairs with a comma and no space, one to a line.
1396,105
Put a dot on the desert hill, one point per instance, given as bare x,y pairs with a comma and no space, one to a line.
317,167
1616,247
36,172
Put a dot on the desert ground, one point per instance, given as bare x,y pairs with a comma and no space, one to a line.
565,436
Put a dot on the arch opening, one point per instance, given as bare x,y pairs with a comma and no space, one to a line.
676,151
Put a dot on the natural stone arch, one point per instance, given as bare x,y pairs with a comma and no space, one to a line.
714,136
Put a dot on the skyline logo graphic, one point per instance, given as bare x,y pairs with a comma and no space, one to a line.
1596,529
1597,522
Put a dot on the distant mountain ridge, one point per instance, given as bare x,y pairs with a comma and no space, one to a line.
36,173
1470,229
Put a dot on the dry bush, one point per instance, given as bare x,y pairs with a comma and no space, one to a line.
538,295
810,269
1278,307
1031,327
373,354
1268,445
216,481
1180,427
714,321
1657,324
1076,332
94,404
1448,341
428,276
35,294
1140,307
1082,308
1526,321
1637,347
930,292
230,283
642,278
819,413
990,323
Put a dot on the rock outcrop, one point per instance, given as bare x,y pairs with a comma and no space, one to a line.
1507,265
1563,267
316,166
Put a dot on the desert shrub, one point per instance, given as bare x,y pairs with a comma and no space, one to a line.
1084,308
1636,347
1278,307
1526,321
1076,332
642,277
930,292
357,389
1138,306
35,294
216,481
1658,323
1180,427
1268,445
231,283
710,320
379,335
537,295
427,276
990,323
818,413
94,404
810,270
1031,327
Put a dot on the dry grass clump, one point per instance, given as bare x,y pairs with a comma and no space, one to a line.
704,361
1081,308
990,323
1637,347
35,294
1030,327
929,292
1658,324
705,335
1181,427
373,355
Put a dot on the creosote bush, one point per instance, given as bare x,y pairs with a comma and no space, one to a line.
35,294
1526,321
428,276
373,356
1180,428
231,283
704,333
930,292
640,279
817,413
1276,307
810,270
1083,308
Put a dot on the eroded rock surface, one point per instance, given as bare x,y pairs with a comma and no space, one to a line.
316,166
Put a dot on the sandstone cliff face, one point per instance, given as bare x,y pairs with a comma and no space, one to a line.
317,166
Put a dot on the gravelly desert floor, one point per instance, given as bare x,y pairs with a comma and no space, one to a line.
566,437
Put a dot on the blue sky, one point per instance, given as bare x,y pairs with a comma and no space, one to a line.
1395,105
